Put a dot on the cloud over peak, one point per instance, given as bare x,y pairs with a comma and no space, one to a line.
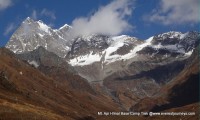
5,4
9,29
43,13
107,20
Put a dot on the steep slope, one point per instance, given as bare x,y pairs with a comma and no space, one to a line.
180,91
28,94
57,68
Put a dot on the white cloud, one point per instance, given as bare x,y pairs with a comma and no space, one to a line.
52,25
34,15
43,13
48,13
5,4
175,12
9,29
108,20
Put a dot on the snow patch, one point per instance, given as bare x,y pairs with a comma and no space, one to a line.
34,63
119,37
133,52
189,53
85,60
172,48
65,26
183,35
21,73
41,35
43,27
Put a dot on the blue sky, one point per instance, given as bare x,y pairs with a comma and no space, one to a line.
144,17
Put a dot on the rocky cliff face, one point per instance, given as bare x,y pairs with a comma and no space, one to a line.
32,34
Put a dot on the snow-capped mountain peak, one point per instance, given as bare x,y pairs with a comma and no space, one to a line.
28,20
171,34
32,34
65,26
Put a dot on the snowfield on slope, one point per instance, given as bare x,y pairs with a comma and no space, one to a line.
118,42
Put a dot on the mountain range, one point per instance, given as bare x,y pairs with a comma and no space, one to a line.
112,73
